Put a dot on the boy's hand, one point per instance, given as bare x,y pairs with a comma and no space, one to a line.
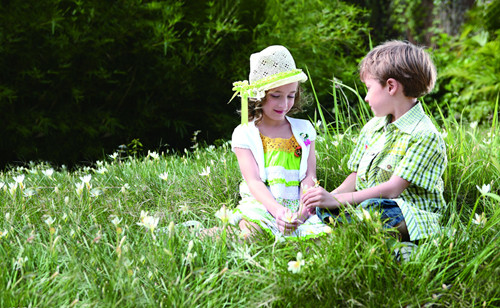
318,197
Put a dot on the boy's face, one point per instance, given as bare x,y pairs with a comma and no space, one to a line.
378,97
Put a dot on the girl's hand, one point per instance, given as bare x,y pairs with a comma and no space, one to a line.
318,197
305,213
287,221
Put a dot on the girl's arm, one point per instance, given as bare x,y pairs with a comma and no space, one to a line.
391,189
308,182
250,171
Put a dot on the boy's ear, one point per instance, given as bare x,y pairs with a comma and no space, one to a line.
392,85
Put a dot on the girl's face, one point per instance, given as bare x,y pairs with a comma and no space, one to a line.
279,101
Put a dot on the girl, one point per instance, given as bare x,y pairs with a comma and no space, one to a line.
275,152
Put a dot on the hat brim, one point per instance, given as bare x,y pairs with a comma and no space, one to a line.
296,78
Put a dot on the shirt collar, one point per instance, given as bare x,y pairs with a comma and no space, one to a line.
409,121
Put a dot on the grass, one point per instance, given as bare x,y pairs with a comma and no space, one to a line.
64,244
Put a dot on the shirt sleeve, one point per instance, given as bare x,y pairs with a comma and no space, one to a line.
359,150
240,138
424,162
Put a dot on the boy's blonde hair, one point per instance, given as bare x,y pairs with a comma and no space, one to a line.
409,64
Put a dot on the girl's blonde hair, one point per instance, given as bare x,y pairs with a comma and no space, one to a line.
409,64
255,106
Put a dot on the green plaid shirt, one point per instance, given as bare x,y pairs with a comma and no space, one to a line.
412,149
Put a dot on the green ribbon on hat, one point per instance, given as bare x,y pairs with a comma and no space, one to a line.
242,88
257,89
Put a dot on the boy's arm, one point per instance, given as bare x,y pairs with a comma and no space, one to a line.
349,184
387,190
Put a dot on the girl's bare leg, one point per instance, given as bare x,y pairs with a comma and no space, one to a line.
248,229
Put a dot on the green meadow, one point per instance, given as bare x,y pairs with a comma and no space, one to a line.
114,234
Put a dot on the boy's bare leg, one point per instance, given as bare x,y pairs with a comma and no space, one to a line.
403,231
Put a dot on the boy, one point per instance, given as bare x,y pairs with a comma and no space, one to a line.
399,157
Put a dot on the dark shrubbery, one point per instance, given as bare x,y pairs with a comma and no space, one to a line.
81,77
78,78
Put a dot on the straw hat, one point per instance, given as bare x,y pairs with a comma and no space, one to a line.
270,68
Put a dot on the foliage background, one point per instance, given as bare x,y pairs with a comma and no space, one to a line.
79,78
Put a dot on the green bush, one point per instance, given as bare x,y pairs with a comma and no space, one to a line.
469,69
327,37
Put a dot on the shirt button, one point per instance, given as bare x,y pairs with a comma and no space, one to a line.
389,167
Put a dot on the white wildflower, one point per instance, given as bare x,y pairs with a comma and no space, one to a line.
48,173
12,188
473,125
86,179
101,170
49,221
153,155
19,180
290,217
184,209
164,176
480,219
143,215
116,221
484,189
95,192
295,266
366,215
29,192
79,188
206,171
149,222
19,263
124,188
224,214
